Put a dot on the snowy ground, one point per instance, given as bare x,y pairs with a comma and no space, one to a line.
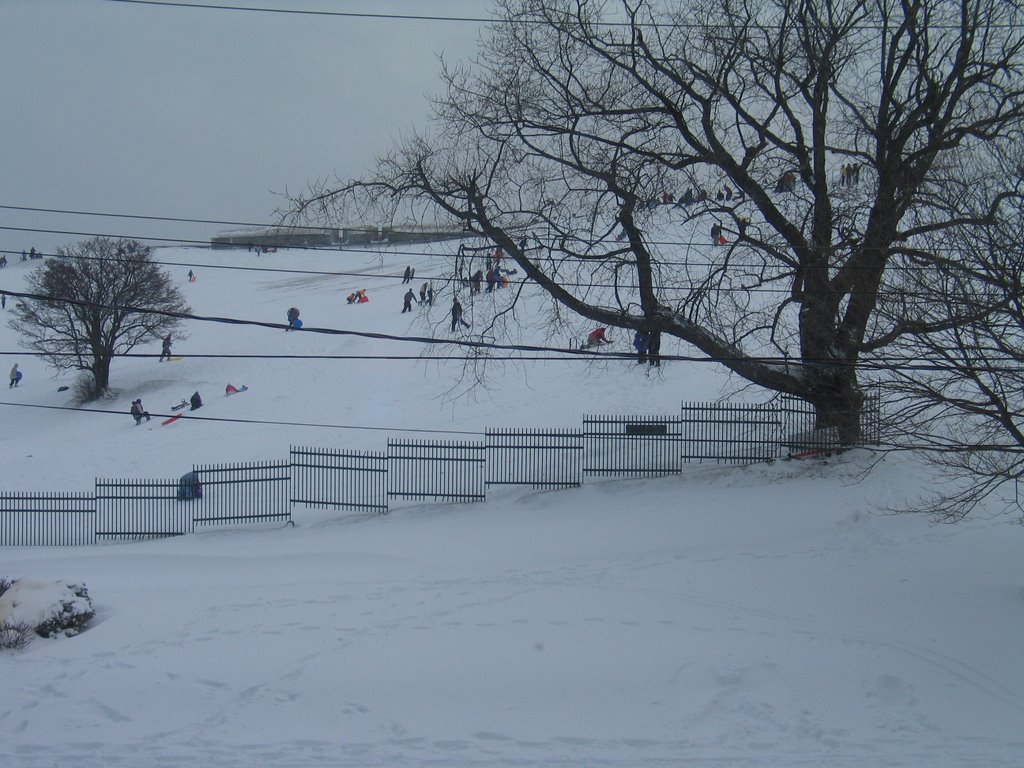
759,616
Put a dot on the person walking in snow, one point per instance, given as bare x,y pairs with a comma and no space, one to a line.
423,294
457,315
476,280
407,276
409,298
165,353
15,376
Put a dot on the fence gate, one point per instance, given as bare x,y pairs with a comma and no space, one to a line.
248,492
47,519
140,509
327,477
737,433
442,470
631,446
543,458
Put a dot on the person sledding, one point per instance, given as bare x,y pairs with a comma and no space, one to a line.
231,389
596,338
195,401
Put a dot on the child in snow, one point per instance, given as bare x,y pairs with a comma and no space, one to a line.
15,376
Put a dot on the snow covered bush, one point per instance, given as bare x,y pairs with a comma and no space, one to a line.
47,609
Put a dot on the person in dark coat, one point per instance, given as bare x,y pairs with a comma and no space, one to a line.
476,281
407,276
165,352
457,315
423,294
292,315
654,348
196,401
409,298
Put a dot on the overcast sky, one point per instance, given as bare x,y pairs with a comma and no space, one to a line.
202,113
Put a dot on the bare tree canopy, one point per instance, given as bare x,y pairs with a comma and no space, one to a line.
104,297
833,149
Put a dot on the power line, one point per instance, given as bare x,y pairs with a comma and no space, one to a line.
177,219
589,354
569,18
267,422
300,12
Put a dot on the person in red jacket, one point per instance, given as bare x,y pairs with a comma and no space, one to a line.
596,338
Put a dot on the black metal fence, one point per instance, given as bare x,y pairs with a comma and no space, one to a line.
632,446
140,509
251,492
542,458
47,519
339,479
729,432
267,491
436,469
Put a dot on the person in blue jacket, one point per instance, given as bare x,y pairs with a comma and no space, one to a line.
640,345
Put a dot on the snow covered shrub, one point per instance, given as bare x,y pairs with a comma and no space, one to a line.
46,608
75,612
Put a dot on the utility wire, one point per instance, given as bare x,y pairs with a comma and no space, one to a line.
570,18
299,12
589,354
268,422
179,219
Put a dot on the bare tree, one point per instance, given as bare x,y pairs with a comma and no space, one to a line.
97,299
960,391
832,129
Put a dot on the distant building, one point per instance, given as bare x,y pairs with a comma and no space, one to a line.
276,237
327,237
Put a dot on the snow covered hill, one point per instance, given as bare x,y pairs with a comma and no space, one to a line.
770,615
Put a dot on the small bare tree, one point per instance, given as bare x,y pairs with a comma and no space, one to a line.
97,299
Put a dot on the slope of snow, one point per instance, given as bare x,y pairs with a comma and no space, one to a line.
769,615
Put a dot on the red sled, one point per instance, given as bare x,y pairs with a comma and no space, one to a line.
171,420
